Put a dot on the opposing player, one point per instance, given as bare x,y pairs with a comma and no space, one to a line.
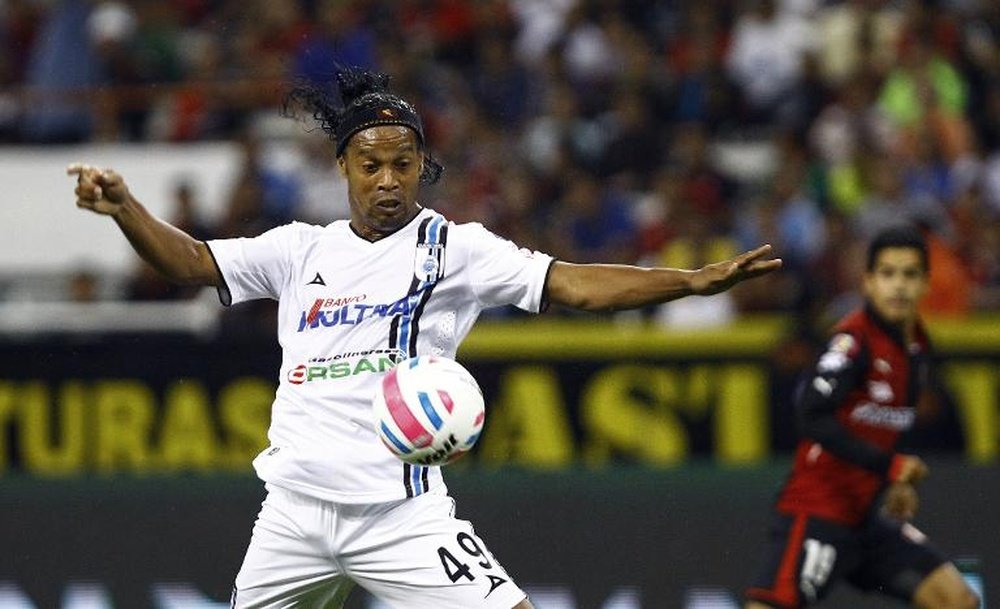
395,281
829,523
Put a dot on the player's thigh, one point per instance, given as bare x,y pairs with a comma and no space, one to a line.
286,564
420,556
802,559
903,563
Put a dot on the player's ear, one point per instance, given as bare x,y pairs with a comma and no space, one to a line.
342,165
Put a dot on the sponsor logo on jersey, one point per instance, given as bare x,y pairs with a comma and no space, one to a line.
880,391
350,311
344,366
888,417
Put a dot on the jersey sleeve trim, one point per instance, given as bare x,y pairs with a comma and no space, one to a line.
543,304
225,296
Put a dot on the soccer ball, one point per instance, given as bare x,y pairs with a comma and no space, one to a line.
428,410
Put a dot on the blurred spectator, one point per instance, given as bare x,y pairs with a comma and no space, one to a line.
195,111
801,226
702,187
857,38
884,203
111,30
447,28
499,84
341,36
324,190
561,134
925,95
591,224
541,24
701,91
766,61
655,211
950,290
83,286
62,59
264,195
519,211
929,183
589,52
20,21
146,283
634,148
847,132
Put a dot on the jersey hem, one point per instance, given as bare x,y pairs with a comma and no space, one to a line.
324,494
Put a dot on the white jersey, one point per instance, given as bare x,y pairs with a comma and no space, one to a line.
348,310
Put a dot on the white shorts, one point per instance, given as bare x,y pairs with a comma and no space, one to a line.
411,554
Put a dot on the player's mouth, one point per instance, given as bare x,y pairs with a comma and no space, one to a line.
389,205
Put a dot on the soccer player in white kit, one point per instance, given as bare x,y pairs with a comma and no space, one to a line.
356,297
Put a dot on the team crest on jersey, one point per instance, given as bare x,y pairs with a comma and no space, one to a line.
428,261
838,353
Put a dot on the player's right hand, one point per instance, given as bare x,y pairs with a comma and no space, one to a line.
100,190
909,468
901,501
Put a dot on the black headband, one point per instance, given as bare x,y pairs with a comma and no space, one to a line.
386,110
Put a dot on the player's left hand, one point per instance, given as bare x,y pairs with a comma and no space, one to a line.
720,276
901,501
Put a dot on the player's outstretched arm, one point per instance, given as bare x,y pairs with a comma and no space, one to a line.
612,287
175,254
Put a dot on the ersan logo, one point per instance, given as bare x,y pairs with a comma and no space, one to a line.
323,371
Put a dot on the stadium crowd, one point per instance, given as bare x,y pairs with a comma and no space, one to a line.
676,132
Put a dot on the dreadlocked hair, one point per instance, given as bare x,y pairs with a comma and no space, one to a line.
364,101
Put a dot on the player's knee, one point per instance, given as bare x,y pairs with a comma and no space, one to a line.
962,598
968,600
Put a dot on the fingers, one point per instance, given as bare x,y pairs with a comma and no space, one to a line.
87,187
762,267
78,168
747,257
93,183
751,265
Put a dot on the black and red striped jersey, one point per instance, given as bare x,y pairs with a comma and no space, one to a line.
859,399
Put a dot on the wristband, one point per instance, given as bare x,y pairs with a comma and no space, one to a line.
895,468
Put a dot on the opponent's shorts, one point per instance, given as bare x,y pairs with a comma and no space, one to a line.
411,554
805,556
